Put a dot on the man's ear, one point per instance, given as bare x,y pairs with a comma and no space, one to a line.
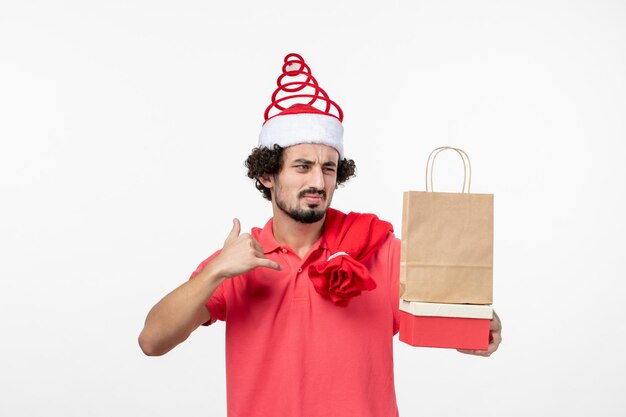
267,181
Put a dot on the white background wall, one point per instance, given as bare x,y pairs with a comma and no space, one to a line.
123,130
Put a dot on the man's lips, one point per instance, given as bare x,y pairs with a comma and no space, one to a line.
313,198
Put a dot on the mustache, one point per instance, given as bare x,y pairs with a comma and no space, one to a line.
310,191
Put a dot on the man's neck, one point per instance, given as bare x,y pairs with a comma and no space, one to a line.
298,236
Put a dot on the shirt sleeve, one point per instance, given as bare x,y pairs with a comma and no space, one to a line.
394,273
216,304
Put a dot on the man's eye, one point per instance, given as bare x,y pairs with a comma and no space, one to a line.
329,169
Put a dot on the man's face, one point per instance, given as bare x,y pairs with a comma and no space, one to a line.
304,187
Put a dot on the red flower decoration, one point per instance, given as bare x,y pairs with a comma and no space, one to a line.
340,279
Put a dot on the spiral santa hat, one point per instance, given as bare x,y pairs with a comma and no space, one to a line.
301,111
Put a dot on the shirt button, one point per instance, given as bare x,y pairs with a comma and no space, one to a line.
284,250
299,269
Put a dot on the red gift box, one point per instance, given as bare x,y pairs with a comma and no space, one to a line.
430,329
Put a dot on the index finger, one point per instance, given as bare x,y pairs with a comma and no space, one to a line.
257,245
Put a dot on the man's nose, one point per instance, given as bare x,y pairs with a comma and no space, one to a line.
317,178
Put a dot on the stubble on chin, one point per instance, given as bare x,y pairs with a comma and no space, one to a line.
303,215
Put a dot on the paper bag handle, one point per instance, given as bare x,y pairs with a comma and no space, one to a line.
467,167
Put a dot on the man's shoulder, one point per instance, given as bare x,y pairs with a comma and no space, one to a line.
391,244
388,251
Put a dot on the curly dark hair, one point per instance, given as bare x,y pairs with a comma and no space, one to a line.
265,161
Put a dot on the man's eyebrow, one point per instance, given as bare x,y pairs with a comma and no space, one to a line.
303,161
306,161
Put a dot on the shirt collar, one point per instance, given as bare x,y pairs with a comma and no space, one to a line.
270,244
266,237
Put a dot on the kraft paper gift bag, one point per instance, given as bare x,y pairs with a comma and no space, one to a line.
447,243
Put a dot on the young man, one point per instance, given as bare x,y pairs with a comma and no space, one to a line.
311,300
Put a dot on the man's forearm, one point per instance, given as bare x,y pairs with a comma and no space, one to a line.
179,313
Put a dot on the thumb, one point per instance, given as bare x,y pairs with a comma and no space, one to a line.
234,232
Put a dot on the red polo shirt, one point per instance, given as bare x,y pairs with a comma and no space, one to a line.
290,352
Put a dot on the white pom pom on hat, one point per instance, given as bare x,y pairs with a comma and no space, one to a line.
301,122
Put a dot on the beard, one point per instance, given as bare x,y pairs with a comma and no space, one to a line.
312,214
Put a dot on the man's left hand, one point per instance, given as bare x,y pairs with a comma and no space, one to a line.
495,337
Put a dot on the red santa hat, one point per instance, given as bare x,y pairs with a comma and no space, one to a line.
302,111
